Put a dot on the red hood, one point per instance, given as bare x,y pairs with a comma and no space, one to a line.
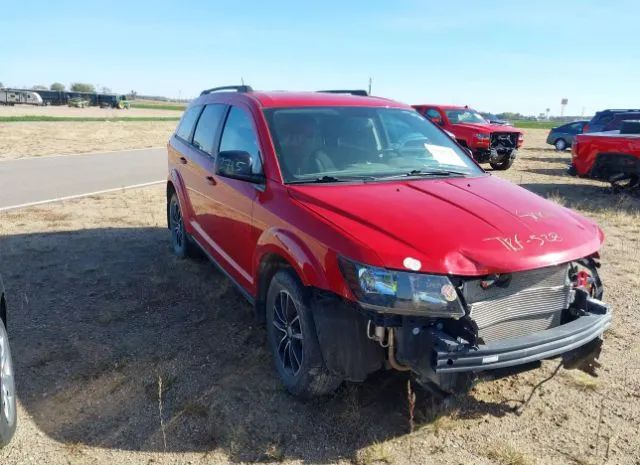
455,226
488,127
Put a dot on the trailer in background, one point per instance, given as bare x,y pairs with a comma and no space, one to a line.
63,97
11,97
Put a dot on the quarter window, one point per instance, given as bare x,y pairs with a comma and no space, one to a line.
185,128
433,113
207,127
239,134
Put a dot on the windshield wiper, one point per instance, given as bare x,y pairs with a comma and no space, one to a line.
422,173
328,178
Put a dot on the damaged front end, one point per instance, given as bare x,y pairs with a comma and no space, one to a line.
502,147
447,328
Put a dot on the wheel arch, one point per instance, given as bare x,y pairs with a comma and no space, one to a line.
278,249
176,184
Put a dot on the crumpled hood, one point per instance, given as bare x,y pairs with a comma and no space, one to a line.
461,226
487,127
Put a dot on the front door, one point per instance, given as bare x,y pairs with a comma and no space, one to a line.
227,219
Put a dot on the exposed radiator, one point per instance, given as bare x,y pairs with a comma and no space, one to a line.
527,302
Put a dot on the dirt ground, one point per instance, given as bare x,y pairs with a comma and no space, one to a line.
33,139
125,354
88,112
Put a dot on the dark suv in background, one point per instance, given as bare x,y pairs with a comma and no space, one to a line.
610,120
562,136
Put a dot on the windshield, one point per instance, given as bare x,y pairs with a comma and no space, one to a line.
347,143
465,116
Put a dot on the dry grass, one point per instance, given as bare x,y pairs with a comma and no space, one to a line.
61,138
376,454
506,455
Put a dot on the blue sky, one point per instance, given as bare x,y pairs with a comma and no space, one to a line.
492,55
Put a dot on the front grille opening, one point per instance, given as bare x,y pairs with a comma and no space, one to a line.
524,303
506,140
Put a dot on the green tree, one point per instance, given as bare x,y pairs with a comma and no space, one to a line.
57,86
82,87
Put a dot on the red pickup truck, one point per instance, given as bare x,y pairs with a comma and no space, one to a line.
612,156
496,144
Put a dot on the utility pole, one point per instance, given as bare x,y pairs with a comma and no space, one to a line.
370,81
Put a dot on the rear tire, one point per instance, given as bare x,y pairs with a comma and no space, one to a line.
181,243
293,339
561,145
8,415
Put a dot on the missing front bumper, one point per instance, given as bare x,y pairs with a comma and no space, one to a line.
452,357
434,355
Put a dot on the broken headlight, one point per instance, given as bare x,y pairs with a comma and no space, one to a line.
399,292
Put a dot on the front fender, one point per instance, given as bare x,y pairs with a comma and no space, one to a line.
296,252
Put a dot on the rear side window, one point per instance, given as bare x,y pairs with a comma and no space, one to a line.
207,127
239,134
185,128
433,113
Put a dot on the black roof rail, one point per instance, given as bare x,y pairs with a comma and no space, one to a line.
241,88
359,92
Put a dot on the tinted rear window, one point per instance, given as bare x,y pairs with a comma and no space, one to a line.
185,128
207,127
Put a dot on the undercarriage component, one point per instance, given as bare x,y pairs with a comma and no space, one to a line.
392,354
625,183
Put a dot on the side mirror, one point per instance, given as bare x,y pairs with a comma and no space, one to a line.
237,164
437,121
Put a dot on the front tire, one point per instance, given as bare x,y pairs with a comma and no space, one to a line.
8,416
561,145
180,241
503,164
293,340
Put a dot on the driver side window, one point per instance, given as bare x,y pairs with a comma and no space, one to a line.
239,134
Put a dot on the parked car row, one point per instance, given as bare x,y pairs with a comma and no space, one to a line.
365,238
562,137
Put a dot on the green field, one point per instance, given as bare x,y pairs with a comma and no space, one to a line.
159,106
37,118
527,124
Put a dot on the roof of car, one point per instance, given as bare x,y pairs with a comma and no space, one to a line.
303,99
444,107
282,99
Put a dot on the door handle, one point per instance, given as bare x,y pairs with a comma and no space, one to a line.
183,160
211,180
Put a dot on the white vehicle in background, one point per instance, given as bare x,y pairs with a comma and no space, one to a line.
11,97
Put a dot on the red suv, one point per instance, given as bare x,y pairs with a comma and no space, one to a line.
367,239
496,144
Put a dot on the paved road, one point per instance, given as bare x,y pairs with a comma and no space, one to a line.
37,180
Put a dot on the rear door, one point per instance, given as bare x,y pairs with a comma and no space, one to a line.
201,161
181,154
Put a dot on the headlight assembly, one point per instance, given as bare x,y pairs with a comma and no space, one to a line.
404,293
